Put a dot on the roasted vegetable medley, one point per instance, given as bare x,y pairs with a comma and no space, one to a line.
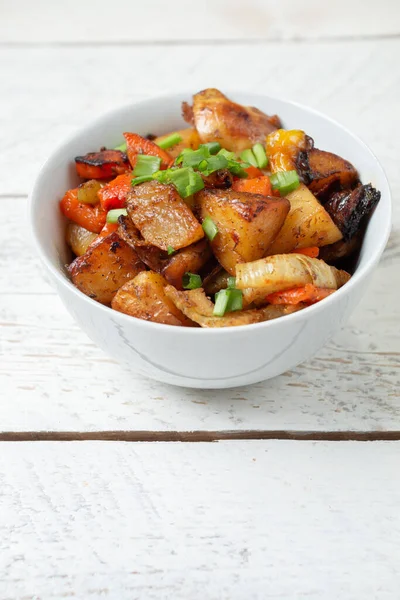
231,221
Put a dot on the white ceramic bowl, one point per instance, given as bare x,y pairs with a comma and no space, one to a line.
204,358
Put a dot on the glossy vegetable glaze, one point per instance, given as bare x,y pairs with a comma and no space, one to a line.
217,225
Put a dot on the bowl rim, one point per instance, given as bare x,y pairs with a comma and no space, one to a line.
358,276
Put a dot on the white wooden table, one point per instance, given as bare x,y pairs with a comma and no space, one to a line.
299,495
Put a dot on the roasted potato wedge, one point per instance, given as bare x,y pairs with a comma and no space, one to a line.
320,169
162,217
197,307
104,268
282,272
144,297
190,139
79,238
152,256
247,223
235,127
103,164
187,260
87,191
348,208
307,224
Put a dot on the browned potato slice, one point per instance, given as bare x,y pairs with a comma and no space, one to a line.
235,127
152,256
320,169
190,139
187,260
307,224
144,297
247,224
162,217
104,268
79,238
199,308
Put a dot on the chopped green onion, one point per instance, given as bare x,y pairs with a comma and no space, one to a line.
122,147
213,147
235,300
112,215
248,156
228,155
260,155
210,228
285,181
191,281
231,282
212,164
170,141
146,165
137,180
192,158
227,301
186,181
237,169
170,250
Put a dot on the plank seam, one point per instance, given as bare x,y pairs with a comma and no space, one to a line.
205,42
197,436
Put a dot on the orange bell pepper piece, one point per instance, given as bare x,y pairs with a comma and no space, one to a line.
114,194
256,185
308,293
253,172
88,216
136,144
311,251
103,164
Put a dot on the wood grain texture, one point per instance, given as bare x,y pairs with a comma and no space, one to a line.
52,377
156,20
224,521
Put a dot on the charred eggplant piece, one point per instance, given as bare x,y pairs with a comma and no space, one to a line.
348,208
103,164
341,249
319,170
221,179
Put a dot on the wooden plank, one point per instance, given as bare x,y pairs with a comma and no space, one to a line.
156,20
70,86
229,520
53,378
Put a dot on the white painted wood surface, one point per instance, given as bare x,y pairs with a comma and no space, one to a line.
223,521
154,20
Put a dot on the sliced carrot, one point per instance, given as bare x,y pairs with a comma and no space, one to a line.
108,229
253,172
311,251
114,194
136,144
101,165
86,215
308,293
256,185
